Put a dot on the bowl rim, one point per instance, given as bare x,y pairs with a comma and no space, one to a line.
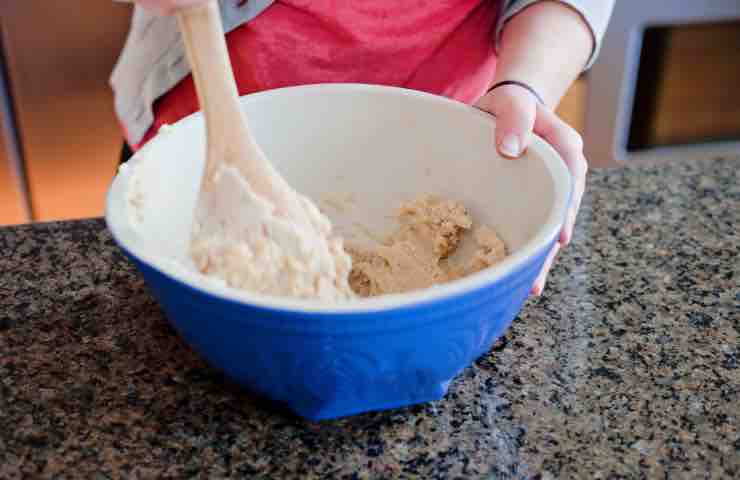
543,237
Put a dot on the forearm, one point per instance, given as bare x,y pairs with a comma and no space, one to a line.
546,45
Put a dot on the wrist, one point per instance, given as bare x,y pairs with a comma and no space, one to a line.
516,83
546,46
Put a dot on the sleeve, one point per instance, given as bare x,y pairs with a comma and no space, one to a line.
595,13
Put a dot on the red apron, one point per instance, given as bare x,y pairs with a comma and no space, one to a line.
445,47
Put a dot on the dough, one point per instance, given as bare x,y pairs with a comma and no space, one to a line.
420,253
239,237
238,240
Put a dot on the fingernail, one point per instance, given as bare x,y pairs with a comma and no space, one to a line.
510,145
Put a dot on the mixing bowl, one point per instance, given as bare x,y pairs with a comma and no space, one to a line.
358,151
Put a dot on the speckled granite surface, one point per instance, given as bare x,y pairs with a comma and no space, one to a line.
628,367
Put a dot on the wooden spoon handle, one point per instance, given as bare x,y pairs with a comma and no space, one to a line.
228,138
218,96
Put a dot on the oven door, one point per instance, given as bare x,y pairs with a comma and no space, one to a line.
666,84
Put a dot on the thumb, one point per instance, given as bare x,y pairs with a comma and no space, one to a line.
515,110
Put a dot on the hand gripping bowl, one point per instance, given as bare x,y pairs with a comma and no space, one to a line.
376,146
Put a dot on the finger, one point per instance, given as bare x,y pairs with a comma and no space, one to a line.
539,283
515,111
569,144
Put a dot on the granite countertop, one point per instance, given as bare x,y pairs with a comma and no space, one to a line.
627,367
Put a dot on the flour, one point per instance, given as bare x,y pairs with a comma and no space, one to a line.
239,238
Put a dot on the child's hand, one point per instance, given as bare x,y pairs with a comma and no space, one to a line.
167,7
518,114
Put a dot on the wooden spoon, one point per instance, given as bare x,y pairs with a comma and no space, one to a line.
228,137
250,227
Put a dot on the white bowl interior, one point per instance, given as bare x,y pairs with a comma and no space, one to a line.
358,151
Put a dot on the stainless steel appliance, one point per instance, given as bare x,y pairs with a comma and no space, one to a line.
629,120
59,56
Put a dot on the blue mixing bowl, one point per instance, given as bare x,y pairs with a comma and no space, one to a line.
373,147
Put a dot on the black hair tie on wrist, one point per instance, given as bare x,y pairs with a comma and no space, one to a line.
519,84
